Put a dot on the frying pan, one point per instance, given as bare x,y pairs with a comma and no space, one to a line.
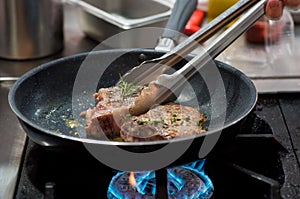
42,98
46,102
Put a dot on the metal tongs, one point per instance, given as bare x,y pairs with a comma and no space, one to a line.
247,12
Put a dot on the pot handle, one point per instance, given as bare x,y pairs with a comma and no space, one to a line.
181,13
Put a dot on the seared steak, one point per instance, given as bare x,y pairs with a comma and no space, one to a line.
112,116
111,110
163,122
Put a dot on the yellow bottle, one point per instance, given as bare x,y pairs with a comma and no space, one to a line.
216,7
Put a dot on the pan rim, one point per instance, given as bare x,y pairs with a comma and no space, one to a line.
22,117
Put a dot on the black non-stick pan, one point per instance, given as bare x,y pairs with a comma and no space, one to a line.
49,99
44,101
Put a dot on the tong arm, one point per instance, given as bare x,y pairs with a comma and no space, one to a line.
150,70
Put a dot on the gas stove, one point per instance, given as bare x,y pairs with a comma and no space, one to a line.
260,161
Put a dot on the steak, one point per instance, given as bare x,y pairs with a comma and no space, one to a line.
109,113
163,122
112,117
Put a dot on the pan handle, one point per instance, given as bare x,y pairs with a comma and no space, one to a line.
181,13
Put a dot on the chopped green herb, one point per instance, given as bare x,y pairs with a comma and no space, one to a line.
174,118
142,122
200,122
155,122
127,89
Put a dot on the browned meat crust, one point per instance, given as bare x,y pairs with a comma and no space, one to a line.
162,123
110,112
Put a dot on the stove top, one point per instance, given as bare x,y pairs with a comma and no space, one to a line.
261,161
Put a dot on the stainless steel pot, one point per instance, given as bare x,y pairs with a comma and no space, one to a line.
30,28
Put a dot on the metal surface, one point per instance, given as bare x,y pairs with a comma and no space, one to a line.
11,142
181,13
100,19
12,134
30,29
2,79
214,48
150,70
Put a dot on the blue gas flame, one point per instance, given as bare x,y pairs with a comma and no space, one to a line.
145,184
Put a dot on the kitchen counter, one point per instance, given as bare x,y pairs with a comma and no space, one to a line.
279,76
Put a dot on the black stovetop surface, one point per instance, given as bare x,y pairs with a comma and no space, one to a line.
262,161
